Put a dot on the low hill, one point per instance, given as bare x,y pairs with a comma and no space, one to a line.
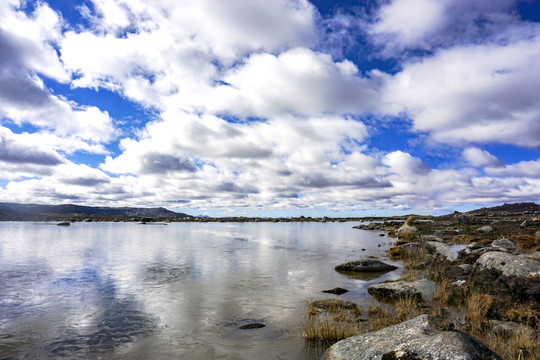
515,209
13,211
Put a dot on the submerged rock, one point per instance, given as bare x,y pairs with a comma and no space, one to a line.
365,265
336,291
422,290
412,339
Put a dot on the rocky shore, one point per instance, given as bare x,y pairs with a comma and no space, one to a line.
470,289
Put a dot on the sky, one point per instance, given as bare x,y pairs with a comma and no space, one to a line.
271,107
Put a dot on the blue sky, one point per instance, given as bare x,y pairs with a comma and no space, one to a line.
271,108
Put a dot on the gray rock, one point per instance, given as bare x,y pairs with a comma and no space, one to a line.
525,224
461,219
504,243
537,235
508,264
412,339
485,229
421,289
410,246
534,256
466,268
488,249
441,249
365,265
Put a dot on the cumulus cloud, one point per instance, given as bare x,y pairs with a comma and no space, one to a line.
481,93
297,81
16,149
480,158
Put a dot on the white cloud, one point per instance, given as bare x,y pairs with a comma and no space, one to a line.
297,81
482,93
410,20
480,158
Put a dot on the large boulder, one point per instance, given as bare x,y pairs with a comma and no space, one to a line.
408,231
365,265
507,264
388,291
413,339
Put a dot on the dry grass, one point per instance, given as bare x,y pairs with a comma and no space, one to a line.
332,326
522,344
477,307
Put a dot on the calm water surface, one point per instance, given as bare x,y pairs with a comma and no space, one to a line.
181,291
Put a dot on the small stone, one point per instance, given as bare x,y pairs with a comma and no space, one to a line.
474,246
336,291
366,265
335,305
64,223
252,326
525,224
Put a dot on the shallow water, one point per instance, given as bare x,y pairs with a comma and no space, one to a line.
131,291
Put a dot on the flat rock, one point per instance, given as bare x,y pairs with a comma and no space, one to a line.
413,340
488,249
504,243
365,265
508,264
64,223
421,289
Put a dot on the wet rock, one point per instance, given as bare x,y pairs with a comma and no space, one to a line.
412,339
336,291
251,326
485,229
335,305
507,264
64,223
365,265
422,289
504,243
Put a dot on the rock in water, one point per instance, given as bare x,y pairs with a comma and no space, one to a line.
252,326
335,305
336,291
420,289
366,265
412,339
64,223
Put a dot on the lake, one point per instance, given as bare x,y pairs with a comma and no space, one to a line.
176,291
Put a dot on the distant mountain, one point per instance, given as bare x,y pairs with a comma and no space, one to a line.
13,211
